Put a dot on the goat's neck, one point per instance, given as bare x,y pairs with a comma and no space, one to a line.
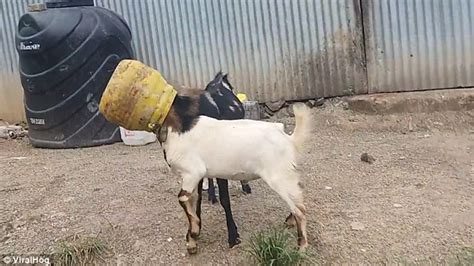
183,114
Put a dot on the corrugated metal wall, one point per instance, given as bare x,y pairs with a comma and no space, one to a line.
11,93
282,49
419,44
285,49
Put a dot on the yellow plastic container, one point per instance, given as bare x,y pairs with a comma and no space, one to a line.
242,97
137,97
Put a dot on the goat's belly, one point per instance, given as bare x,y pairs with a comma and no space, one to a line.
238,176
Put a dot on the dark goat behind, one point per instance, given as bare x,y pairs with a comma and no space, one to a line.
222,104
217,101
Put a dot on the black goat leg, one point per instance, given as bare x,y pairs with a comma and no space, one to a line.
211,191
246,187
198,204
234,238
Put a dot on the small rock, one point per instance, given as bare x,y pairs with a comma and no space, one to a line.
265,112
396,205
3,132
327,188
438,124
290,111
18,224
169,239
282,113
275,106
363,250
319,102
12,132
183,255
357,226
402,157
365,157
419,185
311,103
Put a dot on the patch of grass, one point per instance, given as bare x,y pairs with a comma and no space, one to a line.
464,257
79,251
272,247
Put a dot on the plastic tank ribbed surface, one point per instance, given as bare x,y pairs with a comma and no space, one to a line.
67,56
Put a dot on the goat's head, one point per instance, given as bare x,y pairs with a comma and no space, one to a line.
222,95
220,82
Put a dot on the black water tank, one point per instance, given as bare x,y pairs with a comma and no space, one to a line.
67,56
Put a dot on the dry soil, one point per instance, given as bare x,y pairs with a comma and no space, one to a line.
414,203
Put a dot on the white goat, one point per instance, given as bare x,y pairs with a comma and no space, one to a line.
236,150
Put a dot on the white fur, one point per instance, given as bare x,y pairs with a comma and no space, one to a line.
237,149
226,86
243,150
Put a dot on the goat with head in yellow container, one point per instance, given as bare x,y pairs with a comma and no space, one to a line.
137,97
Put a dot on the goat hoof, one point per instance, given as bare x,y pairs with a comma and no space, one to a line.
192,250
234,243
246,189
303,248
290,221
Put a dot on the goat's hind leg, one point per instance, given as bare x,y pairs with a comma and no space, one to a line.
246,187
188,197
290,191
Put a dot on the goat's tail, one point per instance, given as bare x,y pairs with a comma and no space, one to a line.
303,127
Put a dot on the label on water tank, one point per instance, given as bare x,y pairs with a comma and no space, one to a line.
37,121
29,47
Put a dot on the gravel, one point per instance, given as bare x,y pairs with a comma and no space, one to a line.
414,202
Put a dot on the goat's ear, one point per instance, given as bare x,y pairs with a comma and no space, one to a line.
224,78
218,75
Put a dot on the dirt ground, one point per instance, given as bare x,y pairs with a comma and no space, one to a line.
414,203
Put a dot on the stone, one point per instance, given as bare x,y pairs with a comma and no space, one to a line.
365,157
357,226
275,105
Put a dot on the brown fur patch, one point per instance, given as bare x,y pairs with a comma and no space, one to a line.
184,193
184,111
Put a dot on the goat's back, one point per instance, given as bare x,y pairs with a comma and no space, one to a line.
231,147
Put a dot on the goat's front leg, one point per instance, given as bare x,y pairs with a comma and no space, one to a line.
211,191
233,235
188,197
